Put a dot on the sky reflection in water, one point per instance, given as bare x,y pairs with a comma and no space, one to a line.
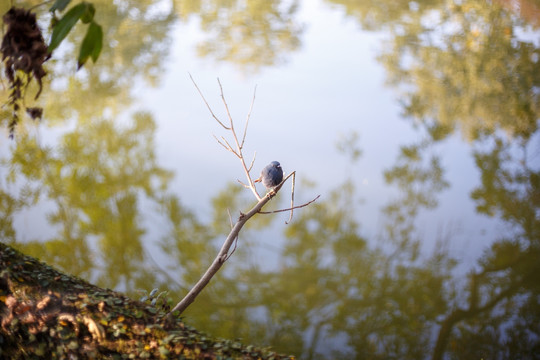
326,85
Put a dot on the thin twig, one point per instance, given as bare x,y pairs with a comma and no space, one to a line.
226,108
252,161
238,147
248,116
233,250
296,207
208,106
230,218
292,197
244,185
228,148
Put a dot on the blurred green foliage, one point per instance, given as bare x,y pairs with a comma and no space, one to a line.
380,296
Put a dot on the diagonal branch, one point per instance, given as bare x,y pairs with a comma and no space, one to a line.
223,254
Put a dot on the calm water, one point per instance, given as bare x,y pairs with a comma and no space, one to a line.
415,122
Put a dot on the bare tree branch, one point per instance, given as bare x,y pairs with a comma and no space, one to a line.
252,161
247,119
224,254
208,106
291,208
292,198
241,183
227,109
226,145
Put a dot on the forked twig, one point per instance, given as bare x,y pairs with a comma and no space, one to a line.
226,146
225,143
208,106
291,208
252,161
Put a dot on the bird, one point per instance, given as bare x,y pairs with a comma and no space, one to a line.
271,175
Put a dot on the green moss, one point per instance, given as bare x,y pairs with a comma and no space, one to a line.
47,314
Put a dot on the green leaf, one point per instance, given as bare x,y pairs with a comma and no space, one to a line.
59,5
91,45
64,26
89,12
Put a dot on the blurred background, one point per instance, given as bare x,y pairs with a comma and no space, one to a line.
416,122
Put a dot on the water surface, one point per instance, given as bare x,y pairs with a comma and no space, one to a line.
416,122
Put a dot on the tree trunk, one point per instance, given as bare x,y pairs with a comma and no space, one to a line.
47,314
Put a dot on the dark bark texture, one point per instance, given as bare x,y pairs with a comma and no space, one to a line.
47,314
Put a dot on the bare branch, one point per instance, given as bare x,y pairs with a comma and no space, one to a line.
221,257
292,197
289,209
222,144
251,183
244,185
248,116
229,146
224,254
227,108
252,161
208,106
226,145
238,151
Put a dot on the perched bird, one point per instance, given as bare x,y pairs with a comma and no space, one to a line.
271,175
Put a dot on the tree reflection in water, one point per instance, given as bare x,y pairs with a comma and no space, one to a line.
462,67
385,297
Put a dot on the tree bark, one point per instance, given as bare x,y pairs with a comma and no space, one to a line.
47,314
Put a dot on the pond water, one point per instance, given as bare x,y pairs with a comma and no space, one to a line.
416,122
